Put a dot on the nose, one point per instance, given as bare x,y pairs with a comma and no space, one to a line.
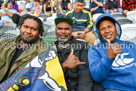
63,31
106,30
28,30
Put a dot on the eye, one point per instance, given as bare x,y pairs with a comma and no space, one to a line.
109,26
34,29
25,26
102,29
67,28
59,28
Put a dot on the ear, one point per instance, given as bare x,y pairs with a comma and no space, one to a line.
84,5
74,3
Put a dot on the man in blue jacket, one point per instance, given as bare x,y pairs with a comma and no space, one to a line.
112,62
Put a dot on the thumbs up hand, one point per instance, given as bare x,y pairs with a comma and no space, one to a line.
113,49
71,62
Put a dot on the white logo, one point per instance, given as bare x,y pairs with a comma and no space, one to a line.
51,56
122,61
50,83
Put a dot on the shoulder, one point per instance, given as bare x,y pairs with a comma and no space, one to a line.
87,13
13,10
70,12
6,42
79,43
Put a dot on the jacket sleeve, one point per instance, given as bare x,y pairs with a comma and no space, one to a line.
85,82
99,66
89,22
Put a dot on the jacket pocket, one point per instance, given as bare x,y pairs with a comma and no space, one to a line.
2,63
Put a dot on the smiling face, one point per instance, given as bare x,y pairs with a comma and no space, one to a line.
29,31
63,32
107,30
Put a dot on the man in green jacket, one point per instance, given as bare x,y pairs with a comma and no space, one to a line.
18,52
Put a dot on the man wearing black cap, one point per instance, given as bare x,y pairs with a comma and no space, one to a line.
82,22
72,55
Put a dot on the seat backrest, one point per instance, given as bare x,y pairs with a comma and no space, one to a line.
8,27
117,14
9,34
132,16
128,31
50,34
124,20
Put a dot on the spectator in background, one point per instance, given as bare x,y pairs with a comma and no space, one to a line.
22,9
41,6
128,5
59,8
48,9
112,6
5,1
37,9
65,4
82,22
70,6
15,6
6,13
96,7
30,6
0,4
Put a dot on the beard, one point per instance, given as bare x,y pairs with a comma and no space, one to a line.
29,41
63,40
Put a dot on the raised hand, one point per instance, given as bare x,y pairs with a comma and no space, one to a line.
113,49
71,62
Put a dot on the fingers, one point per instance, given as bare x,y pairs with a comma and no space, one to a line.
78,62
108,41
71,53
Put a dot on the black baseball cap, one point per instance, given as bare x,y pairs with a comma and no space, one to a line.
64,19
81,1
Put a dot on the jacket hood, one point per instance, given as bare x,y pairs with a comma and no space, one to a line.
111,18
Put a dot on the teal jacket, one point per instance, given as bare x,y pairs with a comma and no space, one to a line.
80,21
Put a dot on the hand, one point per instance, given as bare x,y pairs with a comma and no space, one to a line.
111,11
71,62
81,36
100,4
113,49
115,10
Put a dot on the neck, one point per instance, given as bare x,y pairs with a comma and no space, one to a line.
22,44
77,12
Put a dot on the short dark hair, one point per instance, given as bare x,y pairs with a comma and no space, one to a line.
28,16
81,1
